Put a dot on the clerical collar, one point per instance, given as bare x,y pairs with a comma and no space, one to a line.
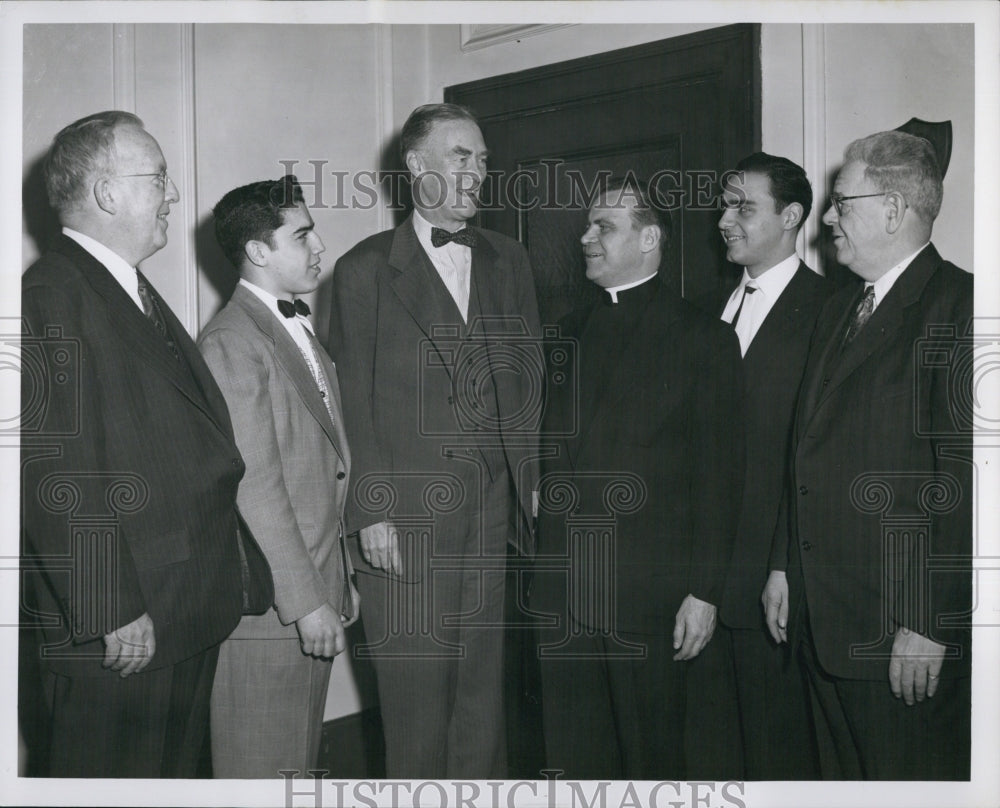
613,291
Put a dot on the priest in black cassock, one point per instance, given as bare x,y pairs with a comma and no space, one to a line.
638,507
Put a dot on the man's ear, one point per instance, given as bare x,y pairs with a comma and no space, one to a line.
791,216
104,195
895,210
649,237
414,162
256,252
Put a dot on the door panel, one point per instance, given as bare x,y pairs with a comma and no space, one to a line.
682,110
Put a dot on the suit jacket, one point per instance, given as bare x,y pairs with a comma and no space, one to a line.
129,473
298,463
878,529
662,454
773,367
416,379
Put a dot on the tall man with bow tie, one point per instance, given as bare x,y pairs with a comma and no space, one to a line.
130,474
871,580
284,396
639,501
433,333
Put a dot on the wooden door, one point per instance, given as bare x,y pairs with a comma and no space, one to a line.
679,111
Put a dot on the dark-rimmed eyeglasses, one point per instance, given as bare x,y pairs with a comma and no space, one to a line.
838,201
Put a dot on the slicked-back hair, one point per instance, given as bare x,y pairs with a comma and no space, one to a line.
645,212
252,213
80,152
787,180
896,161
418,126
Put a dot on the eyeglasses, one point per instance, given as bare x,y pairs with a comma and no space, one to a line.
161,177
838,201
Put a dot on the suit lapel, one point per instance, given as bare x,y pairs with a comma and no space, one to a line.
414,271
783,318
140,335
880,329
289,357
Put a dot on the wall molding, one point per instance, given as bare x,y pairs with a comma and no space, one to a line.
814,135
123,66
189,177
474,37
384,116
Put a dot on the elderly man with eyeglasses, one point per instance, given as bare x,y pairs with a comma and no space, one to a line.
871,579
131,536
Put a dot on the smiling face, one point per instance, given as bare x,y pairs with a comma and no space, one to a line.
289,264
143,202
756,235
616,251
448,167
859,233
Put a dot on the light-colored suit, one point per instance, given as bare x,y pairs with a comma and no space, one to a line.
292,497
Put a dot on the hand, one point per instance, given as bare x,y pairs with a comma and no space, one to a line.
321,633
693,627
775,601
130,648
380,547
915,666
356,603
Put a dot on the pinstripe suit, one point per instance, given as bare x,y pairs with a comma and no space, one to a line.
268,699
128,507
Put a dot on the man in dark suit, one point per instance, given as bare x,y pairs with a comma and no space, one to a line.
435,332
871,577
281,387
639,500
129,474
773,310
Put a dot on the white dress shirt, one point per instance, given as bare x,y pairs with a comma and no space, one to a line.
120,269
293,325
757,305
452,261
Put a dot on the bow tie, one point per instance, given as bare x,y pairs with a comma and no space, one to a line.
289,308
440,237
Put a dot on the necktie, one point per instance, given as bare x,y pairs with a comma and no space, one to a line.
747,290
862,313
289,308
316,369
152,310
440,237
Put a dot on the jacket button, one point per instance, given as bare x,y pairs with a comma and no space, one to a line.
451,400
449,454
236,463
806,546
826,382
803,490
341,475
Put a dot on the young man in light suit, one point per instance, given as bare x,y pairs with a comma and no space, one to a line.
282,391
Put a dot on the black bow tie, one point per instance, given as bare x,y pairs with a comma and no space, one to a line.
440,237
290,309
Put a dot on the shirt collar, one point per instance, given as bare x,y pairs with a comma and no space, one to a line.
614,290
423,230
886,282
120,269
271,302
773,281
